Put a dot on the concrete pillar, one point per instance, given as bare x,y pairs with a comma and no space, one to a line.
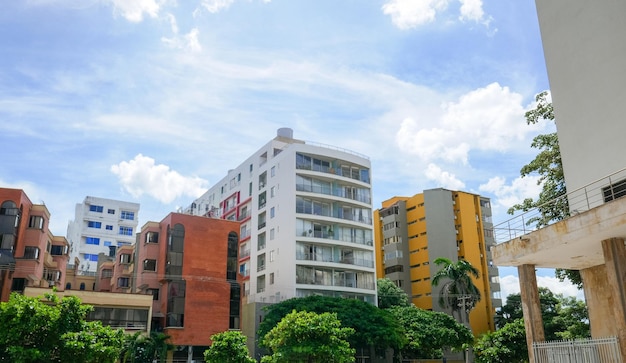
599,298
615,262
531,308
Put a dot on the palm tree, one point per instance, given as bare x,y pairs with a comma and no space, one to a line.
458,292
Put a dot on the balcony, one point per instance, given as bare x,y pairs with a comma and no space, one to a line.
326,258
336,192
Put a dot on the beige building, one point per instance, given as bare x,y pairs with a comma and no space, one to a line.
585,54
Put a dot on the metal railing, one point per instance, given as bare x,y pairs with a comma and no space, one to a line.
603,350
580,200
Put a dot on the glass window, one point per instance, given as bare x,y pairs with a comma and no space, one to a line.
107,273
92,224
273,171
58,250
126,231
109,227
152,237
31,253
92,241
111,211
127,215
123,282
90,257
96,208
35,222
149,265
125,258
272,212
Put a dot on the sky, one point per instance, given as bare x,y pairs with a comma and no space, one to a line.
152,101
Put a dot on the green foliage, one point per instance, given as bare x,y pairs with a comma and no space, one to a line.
141,348
459,284
56,331
390,295
429,332
309,337
373,326
563,317
228,347
505,345
552,202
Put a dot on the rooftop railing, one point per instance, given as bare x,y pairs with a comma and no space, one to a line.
580,200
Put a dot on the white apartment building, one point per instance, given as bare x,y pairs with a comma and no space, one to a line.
100,226
306,220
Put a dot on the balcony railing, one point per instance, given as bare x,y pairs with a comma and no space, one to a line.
338,214
324,258
337,192
580,200
333,171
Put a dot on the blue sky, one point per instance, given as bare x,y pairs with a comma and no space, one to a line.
152,101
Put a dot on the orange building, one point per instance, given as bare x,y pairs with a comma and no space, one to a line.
30,256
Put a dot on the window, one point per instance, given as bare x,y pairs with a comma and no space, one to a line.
107,273
273,171
272,278
272,256
272,192
52,275
109,227
35,222
96,208
58,250
90,257
149,265
126,231
92,240
123,282
251,168
614,191
92,224
272,233
18,284
31,253
127,215
154,293
108,243
272,212
125,258
152,237
111,211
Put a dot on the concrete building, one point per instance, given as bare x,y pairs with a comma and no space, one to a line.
585,55
305,217
411,232
30,256
100,226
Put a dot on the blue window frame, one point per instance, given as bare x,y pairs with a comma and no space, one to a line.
92,241
108,244
91,257
109,227
92,224
126,231
111,211
127,215
96,208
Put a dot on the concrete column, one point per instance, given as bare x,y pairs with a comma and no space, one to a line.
531,308
599,298
615,262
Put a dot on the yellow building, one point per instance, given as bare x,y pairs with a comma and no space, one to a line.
411,232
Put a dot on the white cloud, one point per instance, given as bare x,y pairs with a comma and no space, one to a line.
516,192
509,284
214,6
486,119
187,42
443,178
471,10
142,176
407,14
133,10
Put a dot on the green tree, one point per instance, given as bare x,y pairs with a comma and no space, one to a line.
373,327
552,202
458,291
54,330
228,347
563,317
142,348
390,295
505,345
428,333
309,337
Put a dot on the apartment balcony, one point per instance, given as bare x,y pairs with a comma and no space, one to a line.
336,192
330,259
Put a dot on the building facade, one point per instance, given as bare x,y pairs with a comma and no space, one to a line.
305,216
30,256
100,226
411,232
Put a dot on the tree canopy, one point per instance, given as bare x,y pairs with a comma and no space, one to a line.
141,348
54,330
390,295
458,284
310,338
228,347
429,332
505,345
552,202
373,326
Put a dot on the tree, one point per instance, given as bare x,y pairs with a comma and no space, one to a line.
228,347
428,333
373,327
54,330
563,317
458,292
310,338
505,345
390,295
552,202
141,348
